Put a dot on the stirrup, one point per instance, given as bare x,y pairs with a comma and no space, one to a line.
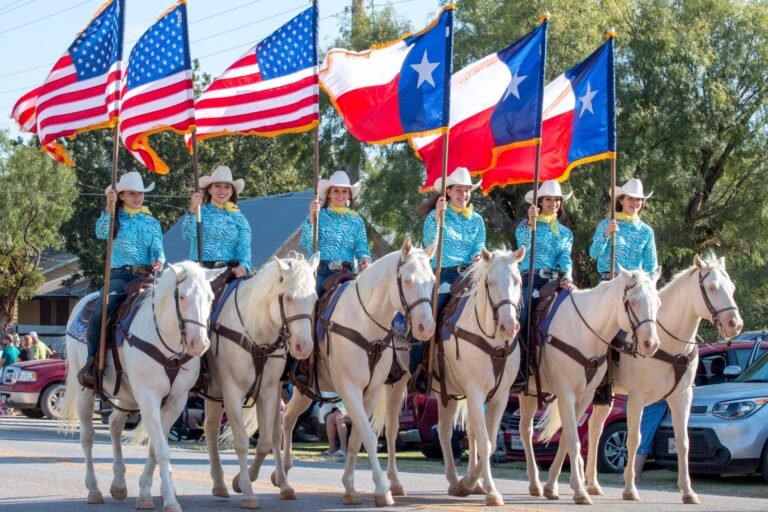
87,374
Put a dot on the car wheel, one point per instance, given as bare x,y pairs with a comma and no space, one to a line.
52,400
32,413
612,453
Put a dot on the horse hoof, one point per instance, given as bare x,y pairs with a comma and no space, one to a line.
221,492
273,479
461,490
630,496
691,499
397,490
145,503
236,484
172,508
494,500
535,490
478,489
551,494
249,503
288,494
582,499
384,501
95,498
595,490
351,499
119,493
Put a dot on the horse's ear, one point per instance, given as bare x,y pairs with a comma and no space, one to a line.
431,250
407,246
176,270
698,262
655,276
519,254
314,261
211,274
282,266
721,261
486,255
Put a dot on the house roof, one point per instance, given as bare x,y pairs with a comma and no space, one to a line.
273,219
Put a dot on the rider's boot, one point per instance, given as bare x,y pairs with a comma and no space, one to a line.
87,374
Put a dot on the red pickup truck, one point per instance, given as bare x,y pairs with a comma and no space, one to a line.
36,388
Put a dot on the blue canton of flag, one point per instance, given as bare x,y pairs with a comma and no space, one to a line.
100,45
161,51
290,48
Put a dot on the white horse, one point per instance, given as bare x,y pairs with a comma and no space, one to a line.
481,360
264,317
702,291
572,364
401,281
161,363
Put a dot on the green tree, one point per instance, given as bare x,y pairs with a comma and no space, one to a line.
35,198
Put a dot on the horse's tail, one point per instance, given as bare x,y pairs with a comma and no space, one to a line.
461,415
138,436
550,423
250,424
70,419
381,411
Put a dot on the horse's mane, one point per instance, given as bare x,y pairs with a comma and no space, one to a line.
262,289
709,258
640,277
479,269
166,285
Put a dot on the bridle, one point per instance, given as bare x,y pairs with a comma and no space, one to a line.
495,306
181,320
407,308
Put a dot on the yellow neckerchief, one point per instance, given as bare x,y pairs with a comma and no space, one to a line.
134,211
627,217
229,206
341,210
467,212
552,220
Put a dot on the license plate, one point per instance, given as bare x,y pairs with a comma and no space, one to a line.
515,443
671,445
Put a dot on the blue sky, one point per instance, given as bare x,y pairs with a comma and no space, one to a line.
35,33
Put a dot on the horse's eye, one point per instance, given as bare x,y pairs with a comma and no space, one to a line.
289,298
408,282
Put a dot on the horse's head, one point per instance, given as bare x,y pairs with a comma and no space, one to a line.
192,296
715,300
502,285
296,297
413,293
641,304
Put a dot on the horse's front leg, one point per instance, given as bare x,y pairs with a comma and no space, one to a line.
278,476
567,407
445,418
680,405
596,423
493,414
85,414
214,410
551,490
297,405
527,412
394,395
635,403
118,489
233,399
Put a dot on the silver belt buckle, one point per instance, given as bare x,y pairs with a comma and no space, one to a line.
335,265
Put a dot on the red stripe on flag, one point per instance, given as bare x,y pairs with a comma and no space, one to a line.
357,103
257,115
156,94
241,99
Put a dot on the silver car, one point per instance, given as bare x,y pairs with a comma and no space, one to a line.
728,427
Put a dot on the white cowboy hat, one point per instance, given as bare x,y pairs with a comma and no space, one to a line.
549,188
222,174
337,179
459,176
131,181
632,188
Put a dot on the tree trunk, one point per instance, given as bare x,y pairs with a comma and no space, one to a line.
7,310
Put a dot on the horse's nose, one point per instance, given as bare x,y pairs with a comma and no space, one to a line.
735,324
647,344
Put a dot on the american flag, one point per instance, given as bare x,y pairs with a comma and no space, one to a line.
272,89
158,91
82,91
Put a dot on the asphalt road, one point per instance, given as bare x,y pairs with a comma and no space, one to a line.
42,471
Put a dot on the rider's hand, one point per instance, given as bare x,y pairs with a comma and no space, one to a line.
611,227
565,283
239,271
314,207
365,263
157,266
195,200
111,199
440,206
533,214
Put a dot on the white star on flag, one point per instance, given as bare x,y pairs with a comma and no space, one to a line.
512,87
425,69
586,100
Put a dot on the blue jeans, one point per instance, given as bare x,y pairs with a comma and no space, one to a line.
118,280
456,449
322,274
652,416
538,282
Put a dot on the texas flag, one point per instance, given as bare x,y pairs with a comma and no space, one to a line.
395,91
495,106
579,125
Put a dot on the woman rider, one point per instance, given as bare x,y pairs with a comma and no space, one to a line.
137,250
554,242
341,231
463,240
226,231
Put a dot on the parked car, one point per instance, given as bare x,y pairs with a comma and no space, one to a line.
36,388
728,426
612,451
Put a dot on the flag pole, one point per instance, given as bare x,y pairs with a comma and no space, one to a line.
107,263
199,213
316,153
610,35
532,252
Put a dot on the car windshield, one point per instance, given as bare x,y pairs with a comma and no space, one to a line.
758,372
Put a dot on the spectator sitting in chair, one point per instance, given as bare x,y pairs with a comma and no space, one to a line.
337,423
